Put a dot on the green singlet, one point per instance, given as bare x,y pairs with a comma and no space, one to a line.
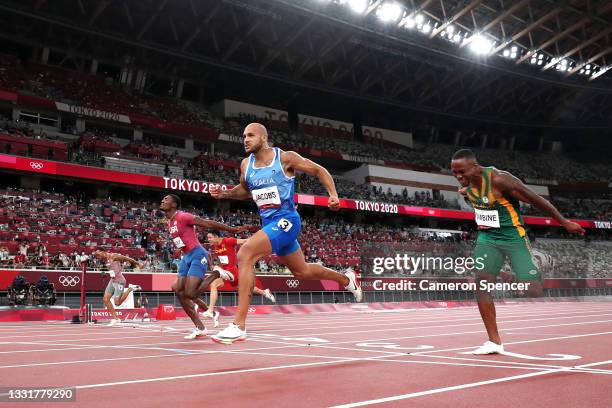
501,231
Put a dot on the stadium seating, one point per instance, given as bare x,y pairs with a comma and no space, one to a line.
65,226
100,148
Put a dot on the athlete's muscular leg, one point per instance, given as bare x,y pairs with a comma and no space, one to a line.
310,271
109,305
202,306
187,305
123,296
522,262
214,293
177,288
258,291
487,307
189,295
209,278
250,252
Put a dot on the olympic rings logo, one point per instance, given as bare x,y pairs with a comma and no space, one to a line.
36,165
69,280
293,283
252,310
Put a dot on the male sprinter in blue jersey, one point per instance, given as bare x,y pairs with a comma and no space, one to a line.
267,175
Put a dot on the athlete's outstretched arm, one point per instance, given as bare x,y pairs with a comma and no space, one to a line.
123,258
239,192
514,187
296,162
217,226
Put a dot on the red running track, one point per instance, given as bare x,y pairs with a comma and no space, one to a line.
559,355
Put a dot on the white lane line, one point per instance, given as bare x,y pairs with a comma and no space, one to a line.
575,336
129,346
502,366
473,314
408,319
176,354
285,345
535,307
212,374
540,366
460,387
479,322
189,376
466,332
444,389
476,319
506,310
83,346
576,369
595,364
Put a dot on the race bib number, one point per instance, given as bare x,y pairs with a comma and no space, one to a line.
487,218
284,224
178,242
267,197
224,259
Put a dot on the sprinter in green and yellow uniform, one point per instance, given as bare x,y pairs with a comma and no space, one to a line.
495,196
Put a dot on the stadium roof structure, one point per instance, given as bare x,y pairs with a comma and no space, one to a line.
539,63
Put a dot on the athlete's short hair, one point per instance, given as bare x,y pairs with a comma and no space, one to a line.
464,154
176,199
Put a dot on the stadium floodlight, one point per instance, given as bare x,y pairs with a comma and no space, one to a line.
562,64
358,6
481,45
512,53
456,38
426,28
537,59
389,12
448,32
410,22
600,71
419,18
